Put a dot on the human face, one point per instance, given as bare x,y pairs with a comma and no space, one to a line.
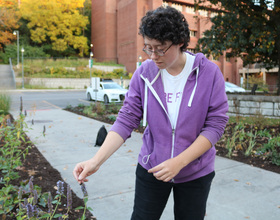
166,56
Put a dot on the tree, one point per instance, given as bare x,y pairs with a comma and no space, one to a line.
8,21
56,22
249,29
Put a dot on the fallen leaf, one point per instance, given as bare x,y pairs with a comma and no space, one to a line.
236,180
248,183
129,151
20,168
247,217
31,172
79,118
65,168
239,147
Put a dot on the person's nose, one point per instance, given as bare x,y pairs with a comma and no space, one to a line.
154,55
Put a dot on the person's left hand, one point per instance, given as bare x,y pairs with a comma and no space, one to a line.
167,170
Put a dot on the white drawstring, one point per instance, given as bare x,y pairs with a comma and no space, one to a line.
145,106
147,160
194,89
148,84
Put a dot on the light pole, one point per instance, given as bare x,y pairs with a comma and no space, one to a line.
17,33
90,62
22,51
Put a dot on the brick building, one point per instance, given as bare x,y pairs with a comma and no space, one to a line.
115,32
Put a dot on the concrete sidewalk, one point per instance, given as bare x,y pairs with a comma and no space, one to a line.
239,191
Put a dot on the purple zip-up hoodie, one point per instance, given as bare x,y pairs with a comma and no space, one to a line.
202,112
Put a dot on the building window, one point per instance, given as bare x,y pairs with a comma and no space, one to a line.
190,9
203,13
177,6
193,33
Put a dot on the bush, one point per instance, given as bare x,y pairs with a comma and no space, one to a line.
29,51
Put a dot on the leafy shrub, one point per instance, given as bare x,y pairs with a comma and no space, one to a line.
29,51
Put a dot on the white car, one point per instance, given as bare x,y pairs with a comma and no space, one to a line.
106,92
230,87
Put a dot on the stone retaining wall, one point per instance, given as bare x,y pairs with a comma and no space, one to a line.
248,105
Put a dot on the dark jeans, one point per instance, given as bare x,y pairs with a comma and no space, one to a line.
151,196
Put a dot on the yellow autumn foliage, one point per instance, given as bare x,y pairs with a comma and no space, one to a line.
56,21
8,21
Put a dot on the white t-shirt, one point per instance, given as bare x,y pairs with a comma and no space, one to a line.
174,86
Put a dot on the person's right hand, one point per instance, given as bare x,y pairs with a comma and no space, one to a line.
83,170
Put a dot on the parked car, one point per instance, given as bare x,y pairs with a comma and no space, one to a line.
107,91
230,87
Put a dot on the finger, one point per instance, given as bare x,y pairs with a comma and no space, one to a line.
154,169
76,172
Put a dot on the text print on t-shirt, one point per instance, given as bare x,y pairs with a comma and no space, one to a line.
173,98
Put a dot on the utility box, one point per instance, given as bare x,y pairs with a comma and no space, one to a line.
95,83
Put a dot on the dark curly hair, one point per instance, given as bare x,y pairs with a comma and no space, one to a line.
166,24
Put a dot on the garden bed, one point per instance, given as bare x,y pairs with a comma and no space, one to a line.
234,143
44,178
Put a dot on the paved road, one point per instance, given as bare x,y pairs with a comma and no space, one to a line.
47,99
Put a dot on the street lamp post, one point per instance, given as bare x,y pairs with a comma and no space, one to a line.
90,62
22,51
17,33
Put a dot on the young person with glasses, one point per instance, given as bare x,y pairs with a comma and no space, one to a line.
181,98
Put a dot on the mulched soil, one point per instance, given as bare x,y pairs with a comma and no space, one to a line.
220,146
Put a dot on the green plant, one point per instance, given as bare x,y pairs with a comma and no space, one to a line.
272,150
113,108
112,118
81,105
14,148
263,133
252,143
100,108
5,103
236,140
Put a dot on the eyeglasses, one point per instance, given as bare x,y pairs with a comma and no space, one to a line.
157,52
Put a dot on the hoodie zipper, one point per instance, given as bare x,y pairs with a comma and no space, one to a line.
148,84
173,145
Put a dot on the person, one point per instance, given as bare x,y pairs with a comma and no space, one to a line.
181,98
